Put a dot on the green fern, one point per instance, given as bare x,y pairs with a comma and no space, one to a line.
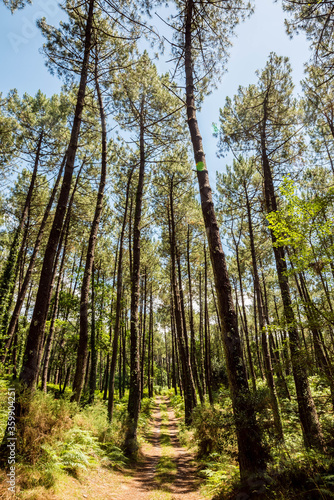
74,458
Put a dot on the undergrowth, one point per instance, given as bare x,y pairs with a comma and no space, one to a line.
60,438
293,472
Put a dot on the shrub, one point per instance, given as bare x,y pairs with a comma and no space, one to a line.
213,431
177,403
167,392
146,406
46,420
58,437
78,450
308,475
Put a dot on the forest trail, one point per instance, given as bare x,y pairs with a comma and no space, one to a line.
145,481
181,483
186,483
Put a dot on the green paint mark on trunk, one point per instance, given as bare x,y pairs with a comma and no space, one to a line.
200,166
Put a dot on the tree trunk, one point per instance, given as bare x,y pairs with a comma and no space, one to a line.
93,349
321,360
173,341
107,381
84,299
201,339
143,335
150,347
193,359
184,324
65,232
49,339
256,334
118,306
250,360
187,381
8,278
207,352
263,328
252,457
32,353
131,444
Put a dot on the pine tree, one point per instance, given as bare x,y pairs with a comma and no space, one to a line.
209,26
32,354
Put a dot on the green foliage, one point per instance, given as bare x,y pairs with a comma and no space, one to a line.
221,475
165,468
16,4
77,450
241,119
45,422
61,438
147,406
4,384
10,137
315,19
307,475
214,25
214,431
177,403
300,224
144,418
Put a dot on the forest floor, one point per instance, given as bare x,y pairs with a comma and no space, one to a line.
165,471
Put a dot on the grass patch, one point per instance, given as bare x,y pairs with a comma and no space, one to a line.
160,495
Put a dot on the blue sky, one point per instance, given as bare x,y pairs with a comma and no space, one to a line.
23,65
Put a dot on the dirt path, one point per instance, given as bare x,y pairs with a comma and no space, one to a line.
145,486
143,483
186,483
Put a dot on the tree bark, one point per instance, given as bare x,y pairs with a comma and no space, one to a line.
201,338
9,275
207,352
143,335
193,358
321,360
93,349
187,380
65,232
263,328
249,354
174,384
150,348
